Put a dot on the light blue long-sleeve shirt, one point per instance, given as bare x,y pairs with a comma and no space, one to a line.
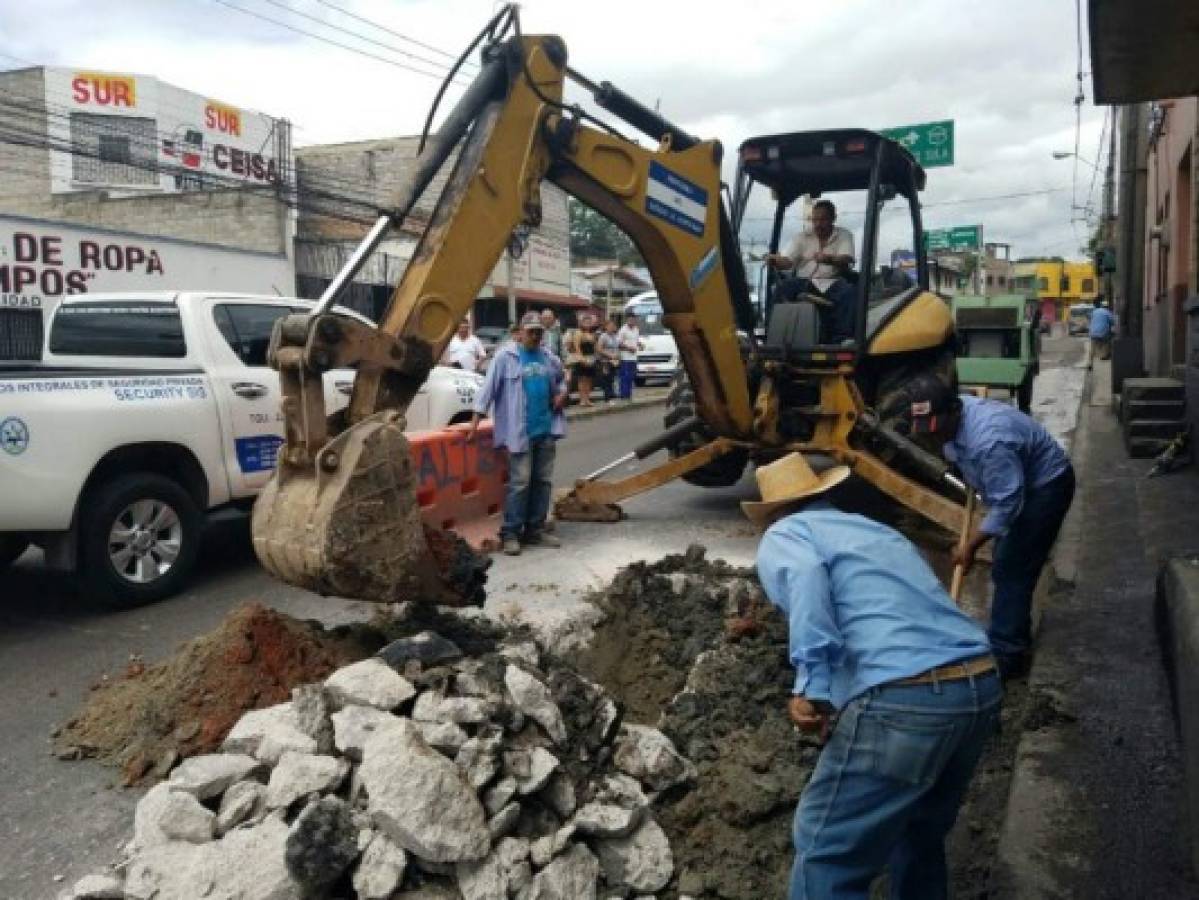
863,606
1001,452
1101,322
503,390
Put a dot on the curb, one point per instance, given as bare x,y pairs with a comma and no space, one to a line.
575,413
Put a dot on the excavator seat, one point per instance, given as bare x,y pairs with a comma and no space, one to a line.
793,327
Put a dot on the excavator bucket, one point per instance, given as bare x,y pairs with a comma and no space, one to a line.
351,525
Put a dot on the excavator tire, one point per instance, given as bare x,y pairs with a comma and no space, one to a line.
722,472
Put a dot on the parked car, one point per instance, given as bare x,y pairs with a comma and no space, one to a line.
1078,320
147,412
658,359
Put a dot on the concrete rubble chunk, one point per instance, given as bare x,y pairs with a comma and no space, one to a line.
146,818
422,800
312,714
100,886
353,726
381,869
531,768
427,648
499,794
210,775
544,849
370,682
300,774
247,863
184,818
242,802
491,878
479,757
559,793
641,862
504,821
432,706
267,733
521,650
321,845
572,876
607,820
444,736
520,876
533,699
650,756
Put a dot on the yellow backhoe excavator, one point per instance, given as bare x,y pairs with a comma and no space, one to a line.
339,515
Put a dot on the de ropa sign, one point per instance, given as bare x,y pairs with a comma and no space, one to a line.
931,143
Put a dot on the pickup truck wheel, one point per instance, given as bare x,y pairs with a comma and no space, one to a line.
139,536
11,548
722,472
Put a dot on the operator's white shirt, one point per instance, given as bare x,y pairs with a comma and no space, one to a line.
466,352
804,247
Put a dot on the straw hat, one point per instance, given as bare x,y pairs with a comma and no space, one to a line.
787,480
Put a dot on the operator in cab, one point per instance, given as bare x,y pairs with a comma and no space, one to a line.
819,258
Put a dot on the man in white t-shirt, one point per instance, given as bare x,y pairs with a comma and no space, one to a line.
628,339
465,351
819,257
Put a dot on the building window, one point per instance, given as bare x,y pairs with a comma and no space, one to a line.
1064,284
990,280
1088,285
1043,284
113,150
1002,280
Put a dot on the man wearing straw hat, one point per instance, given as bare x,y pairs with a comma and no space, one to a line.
890,671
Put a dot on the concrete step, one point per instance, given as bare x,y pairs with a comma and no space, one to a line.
1153,428
1145,447
1153,389
1153,409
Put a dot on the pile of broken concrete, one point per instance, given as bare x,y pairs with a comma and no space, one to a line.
416,773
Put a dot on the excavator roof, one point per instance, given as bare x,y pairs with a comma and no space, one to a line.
813,162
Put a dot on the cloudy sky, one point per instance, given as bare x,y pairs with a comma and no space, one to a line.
1004,72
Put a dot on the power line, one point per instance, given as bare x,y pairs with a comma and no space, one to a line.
391,31
313,35
354,34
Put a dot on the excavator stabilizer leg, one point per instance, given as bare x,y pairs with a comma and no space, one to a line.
350,526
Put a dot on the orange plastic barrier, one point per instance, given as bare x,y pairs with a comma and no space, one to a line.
460,486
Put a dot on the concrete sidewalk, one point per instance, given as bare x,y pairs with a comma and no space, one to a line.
642,398
1097,800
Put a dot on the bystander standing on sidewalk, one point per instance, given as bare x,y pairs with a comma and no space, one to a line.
1101,331
629,341
465,350
553,332
526,390
608,359
581,346
1027,483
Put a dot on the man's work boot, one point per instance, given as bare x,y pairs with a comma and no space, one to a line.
511,545
541,539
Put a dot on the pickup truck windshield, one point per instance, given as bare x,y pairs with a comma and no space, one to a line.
114,328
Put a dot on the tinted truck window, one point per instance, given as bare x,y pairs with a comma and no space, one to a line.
108,328
247,328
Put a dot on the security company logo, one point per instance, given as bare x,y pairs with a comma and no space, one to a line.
14,436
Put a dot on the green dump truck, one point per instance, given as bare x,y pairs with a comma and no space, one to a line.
999,343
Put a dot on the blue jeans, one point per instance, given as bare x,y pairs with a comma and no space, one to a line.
628,372
1018,559
887,788
530,483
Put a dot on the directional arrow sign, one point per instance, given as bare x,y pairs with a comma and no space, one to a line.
931,143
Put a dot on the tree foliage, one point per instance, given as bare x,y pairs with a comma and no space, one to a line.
595,237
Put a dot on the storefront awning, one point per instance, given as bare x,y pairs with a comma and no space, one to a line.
1143,49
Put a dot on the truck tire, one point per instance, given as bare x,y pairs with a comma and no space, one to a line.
11,548
723,472
139,535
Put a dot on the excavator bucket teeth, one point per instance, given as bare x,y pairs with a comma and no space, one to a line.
351,526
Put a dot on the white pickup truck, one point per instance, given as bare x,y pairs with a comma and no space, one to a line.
146,412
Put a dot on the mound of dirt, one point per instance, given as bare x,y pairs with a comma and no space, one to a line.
154,715
691,646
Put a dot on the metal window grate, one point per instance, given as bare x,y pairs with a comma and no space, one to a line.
114,150
20,335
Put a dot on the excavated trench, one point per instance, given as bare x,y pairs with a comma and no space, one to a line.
691,646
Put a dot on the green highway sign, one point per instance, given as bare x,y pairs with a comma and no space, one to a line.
931,142
963,237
